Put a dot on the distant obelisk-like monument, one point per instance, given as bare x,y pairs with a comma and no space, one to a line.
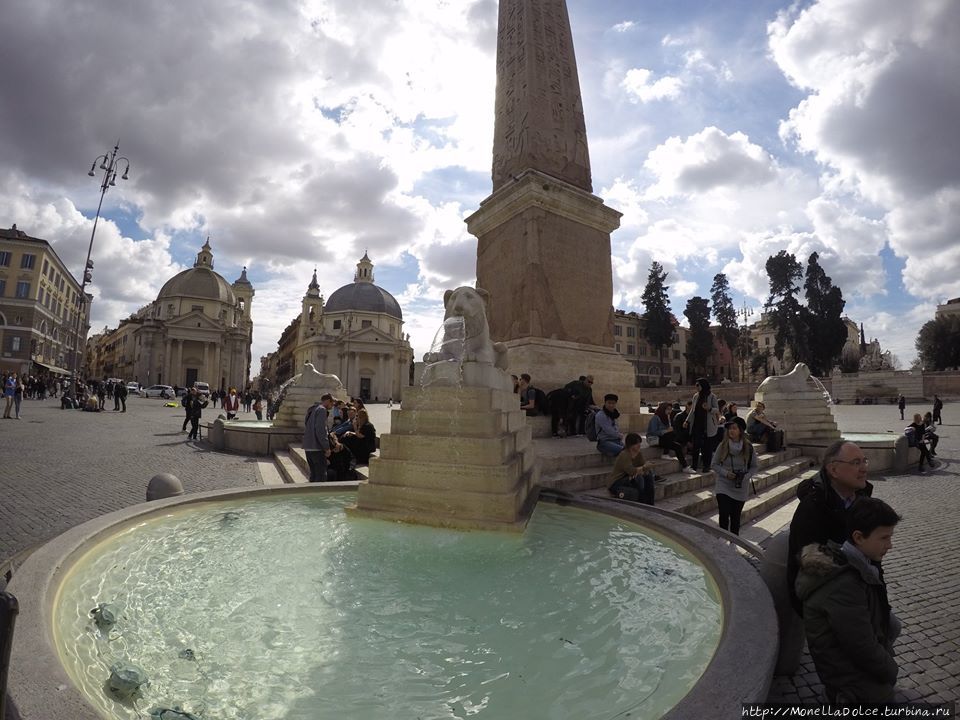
543,238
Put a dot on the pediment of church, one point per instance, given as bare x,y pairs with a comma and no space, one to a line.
371,334
195,320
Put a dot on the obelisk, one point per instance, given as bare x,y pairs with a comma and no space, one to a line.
543,238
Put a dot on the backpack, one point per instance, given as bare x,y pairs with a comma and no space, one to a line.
590,425
911,434
540,401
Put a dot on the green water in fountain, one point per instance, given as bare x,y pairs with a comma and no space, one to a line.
292,610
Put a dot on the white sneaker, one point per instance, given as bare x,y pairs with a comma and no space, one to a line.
689,470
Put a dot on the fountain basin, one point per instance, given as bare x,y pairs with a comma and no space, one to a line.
251,437
41,686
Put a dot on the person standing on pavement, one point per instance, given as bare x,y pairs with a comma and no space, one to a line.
316,442
937,408
194,405
120,396
231,403
702,425
824,503
902,404
17,396
920,438
734,464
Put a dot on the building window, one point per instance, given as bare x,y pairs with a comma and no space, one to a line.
365,323
643,351
27,261
15,343
676,354
4,259
617,346
196,308
631,349
393,329
618,329
631,331
23,289
46,265
676,369
3,287
766,341
337,324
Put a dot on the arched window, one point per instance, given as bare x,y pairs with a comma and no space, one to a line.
654,370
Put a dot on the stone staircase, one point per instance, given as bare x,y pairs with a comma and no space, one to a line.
293,468
573,465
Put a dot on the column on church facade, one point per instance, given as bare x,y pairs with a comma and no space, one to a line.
167,361
205,370
380,387
218,365
178,365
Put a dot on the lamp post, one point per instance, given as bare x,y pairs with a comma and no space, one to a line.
743,342
109,163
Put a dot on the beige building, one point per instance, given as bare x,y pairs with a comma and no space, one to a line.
951,308
629,341
39,306
357,335
198,328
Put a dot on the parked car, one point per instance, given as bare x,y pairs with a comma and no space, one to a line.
133,388
157,391
202,388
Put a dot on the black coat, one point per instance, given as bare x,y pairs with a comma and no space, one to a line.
819,517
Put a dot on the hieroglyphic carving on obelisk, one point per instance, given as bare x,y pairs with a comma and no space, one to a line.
539,112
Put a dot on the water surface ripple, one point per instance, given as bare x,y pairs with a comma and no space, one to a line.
293,610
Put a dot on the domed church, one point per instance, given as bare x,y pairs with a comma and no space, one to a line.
198,328
356,335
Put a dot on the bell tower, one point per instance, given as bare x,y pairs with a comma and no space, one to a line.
311,311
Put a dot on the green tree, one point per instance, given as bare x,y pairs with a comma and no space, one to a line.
826,332
700,341
938,343
658,318
783,308
725,313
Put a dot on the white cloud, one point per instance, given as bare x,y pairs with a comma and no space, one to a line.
622,27
640,86
708,160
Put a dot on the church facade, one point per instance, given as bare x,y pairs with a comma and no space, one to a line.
198,328
357,335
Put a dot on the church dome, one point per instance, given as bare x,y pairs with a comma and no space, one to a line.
363,297
200,281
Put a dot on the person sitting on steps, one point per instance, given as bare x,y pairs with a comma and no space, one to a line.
632,481
661,434
609,437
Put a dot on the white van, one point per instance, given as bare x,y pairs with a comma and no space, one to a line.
202,388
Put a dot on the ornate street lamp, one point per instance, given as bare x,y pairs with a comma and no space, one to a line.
110,164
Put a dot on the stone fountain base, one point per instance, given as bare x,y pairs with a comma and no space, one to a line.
455,457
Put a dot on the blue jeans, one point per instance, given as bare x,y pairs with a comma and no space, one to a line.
610,447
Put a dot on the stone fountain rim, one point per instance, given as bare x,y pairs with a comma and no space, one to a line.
39,686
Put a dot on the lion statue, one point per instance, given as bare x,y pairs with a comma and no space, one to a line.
793,381
471,305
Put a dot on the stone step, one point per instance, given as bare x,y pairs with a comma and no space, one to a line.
456,422
698,502
441,475
289,470
771,498
467,450
498,507
589,478
467,399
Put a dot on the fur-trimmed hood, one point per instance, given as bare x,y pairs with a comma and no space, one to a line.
820,563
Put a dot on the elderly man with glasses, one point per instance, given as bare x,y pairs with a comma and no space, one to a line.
824,502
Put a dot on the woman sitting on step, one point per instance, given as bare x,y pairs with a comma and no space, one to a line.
661,434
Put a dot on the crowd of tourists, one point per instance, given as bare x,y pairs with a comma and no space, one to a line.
338,436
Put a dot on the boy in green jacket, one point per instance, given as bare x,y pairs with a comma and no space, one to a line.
850,629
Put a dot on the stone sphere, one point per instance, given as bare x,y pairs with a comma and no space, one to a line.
164,485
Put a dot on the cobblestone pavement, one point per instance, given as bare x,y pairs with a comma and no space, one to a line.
59,468
922,570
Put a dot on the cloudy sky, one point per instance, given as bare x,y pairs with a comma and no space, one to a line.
302,133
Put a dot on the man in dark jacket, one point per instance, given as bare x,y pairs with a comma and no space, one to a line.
316,441
193,405
824,502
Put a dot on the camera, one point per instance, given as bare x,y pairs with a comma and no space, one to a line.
738,476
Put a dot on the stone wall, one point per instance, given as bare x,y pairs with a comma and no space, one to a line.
946,384
878,386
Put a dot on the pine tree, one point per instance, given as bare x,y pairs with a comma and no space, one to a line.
782,306
724,312
658,318
700,341
823,317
